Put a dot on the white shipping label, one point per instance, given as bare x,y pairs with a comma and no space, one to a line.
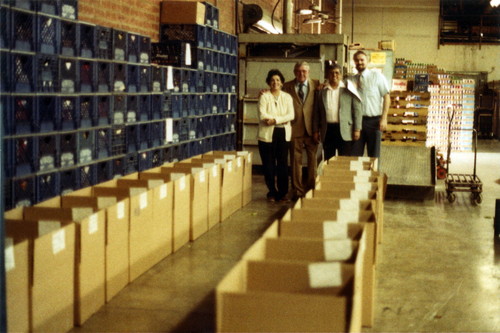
169,130
347,216
58,241
363,187
229,166
214,171
361,179
170,78
338,249
202,176
182,183
238,162
356,165
10,260
93,224
120,210
143,200
325,274
364,173
163,191
359,195
46,227
334,230
349,204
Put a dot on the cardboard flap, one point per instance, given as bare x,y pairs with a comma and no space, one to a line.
57,214
118,192
96,203
311,250
147,183
316,230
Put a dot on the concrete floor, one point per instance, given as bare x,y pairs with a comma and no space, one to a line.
439,268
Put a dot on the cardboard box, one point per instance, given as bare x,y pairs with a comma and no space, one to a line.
198,224
116,235
158,232
274,296
52,274
17,277
182,12
214,189
231,182
181,203
141,215
90,253
247,171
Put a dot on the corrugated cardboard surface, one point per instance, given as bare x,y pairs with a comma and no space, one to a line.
182,12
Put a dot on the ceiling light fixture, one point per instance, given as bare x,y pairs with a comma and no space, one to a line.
494,3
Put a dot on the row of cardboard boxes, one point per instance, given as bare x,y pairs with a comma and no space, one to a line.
66,257
23,72
32,114
30,189
44,152
314,269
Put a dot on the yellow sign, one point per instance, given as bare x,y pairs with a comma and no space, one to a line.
378,58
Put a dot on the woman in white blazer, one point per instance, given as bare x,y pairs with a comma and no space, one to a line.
275,110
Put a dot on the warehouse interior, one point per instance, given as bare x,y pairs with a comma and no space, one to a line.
108,105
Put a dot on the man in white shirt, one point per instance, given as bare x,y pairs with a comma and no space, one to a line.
337,115
374,92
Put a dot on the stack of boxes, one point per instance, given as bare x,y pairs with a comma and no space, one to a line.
83,104
451,98
69,255
314,269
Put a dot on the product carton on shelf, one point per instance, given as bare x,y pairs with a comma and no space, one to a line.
198,224
90,251
117,221
51,253
214,174
181,189
17,277
182,12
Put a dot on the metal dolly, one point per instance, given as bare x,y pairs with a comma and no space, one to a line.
456,182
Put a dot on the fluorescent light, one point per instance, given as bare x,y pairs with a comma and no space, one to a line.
494,3
267,26
305,11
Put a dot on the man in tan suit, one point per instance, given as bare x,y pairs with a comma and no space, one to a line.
302,89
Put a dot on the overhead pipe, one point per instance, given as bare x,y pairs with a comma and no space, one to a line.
288,17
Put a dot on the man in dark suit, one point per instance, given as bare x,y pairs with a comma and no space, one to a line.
302,89
338,115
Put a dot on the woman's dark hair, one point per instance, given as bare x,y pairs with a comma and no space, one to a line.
272,73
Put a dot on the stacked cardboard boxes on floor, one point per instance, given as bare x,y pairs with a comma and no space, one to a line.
314,269
68,256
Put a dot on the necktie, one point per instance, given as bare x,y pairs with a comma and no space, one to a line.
360,85
301,92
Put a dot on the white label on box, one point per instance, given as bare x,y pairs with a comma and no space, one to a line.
363,187
202,176
325,274
170,78
337,249
230,166
334,230
182,183
214,171
143,200
120,210
46,227
169,130
356,165
163,191
359,195
238,162
93,224
364,173
347,216
58,241
10,260
349,204
361,179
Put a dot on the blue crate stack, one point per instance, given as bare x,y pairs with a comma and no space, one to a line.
83,103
